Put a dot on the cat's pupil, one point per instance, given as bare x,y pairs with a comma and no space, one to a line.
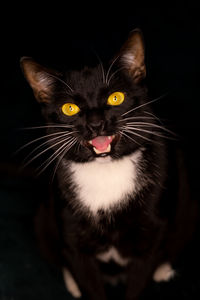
70,108
115,98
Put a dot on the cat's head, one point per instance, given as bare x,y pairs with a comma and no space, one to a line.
95,112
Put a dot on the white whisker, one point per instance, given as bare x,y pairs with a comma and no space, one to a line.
55,155
62,81
146,131
146,124
154,116
47,142
144,104
49,126
40,138
114,73
102,68
124,134
103,72
141,136
77,146
64,152
109,69
67,143
45,150
135,118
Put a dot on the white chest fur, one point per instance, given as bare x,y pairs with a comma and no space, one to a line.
102,185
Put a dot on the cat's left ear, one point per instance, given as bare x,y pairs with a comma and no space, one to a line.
40,78
132,56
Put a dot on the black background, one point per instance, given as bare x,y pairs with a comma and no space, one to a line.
67,37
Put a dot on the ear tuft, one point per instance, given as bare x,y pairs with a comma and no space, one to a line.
132,56
39,78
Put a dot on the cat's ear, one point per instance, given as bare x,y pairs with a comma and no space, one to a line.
40,78
132,56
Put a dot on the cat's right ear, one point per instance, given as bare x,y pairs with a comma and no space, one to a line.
132,56
40,79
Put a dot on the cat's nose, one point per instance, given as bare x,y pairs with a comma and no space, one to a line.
95,121
96,125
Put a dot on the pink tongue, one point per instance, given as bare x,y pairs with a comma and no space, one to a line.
101,142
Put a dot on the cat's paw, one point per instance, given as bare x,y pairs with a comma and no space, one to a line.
164,273
71,284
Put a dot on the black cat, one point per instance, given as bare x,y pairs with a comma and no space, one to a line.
120,195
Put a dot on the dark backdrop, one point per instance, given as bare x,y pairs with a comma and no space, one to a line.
66,37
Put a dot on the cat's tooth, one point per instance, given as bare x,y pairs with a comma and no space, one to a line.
96,150
90,142
105,151
108,148
109,137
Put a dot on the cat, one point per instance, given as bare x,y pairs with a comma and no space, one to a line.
120,206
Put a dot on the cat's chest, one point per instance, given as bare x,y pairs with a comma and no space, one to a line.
103,185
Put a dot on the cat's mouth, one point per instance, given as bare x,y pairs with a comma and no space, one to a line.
102,145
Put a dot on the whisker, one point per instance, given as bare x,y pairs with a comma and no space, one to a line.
101,64
154,116
102,68
62,81
103,72
114,73
141,136
146,124
55,155
109,69
148,131
45,150
57,151
124,134
40,138
77,146
135,118
144,104
64,152
46,142
49,126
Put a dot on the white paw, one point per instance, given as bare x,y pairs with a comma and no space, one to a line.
164,273
71,284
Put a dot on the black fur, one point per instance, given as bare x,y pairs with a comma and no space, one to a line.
152,226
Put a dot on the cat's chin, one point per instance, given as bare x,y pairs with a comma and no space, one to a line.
103,159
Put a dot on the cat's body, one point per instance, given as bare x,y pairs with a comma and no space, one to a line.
118,197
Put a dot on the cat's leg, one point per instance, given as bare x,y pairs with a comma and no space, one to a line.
164,272
139,274
87,280
71,284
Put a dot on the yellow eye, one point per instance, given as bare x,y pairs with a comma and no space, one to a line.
116,98
70,109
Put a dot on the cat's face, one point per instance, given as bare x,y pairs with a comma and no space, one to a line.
91,113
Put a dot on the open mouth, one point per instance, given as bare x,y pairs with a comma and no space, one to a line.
102,144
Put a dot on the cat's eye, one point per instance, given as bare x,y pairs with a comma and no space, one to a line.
70,109
115,98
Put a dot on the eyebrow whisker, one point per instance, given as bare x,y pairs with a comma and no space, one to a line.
109,69
62,81
144,104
